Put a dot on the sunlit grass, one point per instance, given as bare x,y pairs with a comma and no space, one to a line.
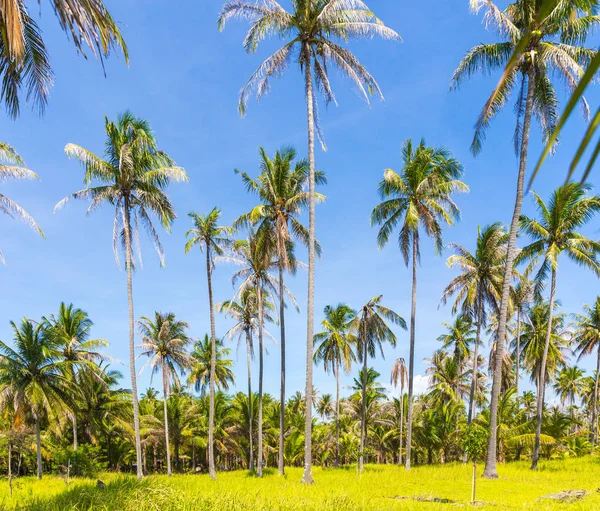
379,488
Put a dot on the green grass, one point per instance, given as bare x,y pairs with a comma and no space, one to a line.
379,488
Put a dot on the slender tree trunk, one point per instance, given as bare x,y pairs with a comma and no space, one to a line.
411,358
134,393
542,381
475,357
74,432
310,309
282,394
518,356
259,456
38,444
250,410
165,396
337,413
213,362
9,461
401,423
595,408
490,471
363,406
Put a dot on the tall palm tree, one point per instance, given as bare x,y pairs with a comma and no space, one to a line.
522,296
478,286
553,50
314,29
569,384
24,58
165,342
70,330
336,350
32,378
201,357
587,339
399,374
459,337
417,198
570,208
371,330
132,180
280,187
12,166
212,239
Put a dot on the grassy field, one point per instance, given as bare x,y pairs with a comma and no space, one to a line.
379,488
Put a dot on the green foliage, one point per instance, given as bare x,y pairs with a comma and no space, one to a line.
84,462
475,442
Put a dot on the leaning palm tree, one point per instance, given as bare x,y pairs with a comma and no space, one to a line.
400,374
200,368
371,330
477,288
24,58
132,180
212,239
314,29
12,166
558,231
70,331
419,198
336,350
587,339
280,187
32,379
165,342
554,50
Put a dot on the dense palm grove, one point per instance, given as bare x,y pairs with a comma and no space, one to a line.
65,408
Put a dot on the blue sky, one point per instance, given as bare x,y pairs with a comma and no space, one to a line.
184,77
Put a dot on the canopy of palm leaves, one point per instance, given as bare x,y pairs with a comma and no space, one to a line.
335,346
200,365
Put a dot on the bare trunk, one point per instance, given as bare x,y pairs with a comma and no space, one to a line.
542,380
250,410
213,362
282,394
518,356
337,413
411,358
310,309
475,357
259,456
490,471
38,444
134,393
9,461
74,432
165,396
595,408
363,406
401,423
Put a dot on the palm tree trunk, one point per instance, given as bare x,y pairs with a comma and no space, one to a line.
259,460
401,423
213,362
337,413
134,393
282,395
518,356
38,444
411,358
165,395
595,408
9,462
363,407
310,309
250,411
542,381
74,432
490,471
475,357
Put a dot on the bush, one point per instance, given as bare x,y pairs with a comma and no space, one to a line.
84,462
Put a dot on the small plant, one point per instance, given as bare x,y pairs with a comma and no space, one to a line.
475,444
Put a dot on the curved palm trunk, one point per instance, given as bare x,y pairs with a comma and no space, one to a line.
259,461
490,471
250,411
595,408
475,358
518,356
337,413
401,423
542,380
411,358
282,395
310,309
213,362
165,396
134,393
38,445
363,406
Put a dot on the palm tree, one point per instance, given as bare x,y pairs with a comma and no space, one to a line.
371,330
325,406
201,364
569,384
32,377
314,27
335,350
24,58
569,209
587,339
165,342
477,287
212,239
417,198
280,188
12,166
459,337
400,374
70,330
553,50
522,297
132,179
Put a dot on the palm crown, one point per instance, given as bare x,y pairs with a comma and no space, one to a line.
335,348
